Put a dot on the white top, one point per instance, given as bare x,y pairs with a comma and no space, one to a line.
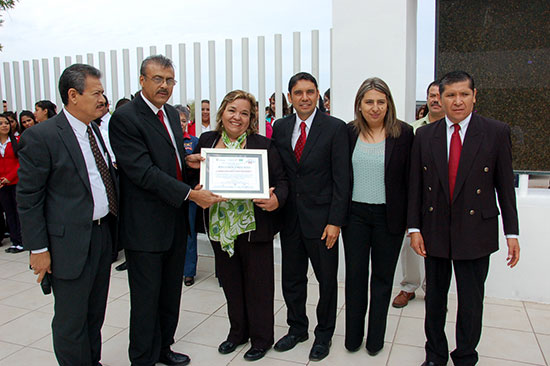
99,193
296,132
3,147
462,132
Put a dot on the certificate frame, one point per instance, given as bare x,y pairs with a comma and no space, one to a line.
217,176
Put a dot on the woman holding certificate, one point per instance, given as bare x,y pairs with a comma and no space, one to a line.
380,147
241,231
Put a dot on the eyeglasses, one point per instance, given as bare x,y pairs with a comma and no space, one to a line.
159,80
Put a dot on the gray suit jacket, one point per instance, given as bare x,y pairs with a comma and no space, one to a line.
54,198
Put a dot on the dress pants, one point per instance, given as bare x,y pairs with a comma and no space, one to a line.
367,237
190,267
296,249
249,286
470,283
7,199
79,309
155,280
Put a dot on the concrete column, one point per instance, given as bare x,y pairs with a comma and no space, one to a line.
373,39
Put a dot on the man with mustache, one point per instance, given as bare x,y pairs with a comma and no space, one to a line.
67,203
413,270
147,139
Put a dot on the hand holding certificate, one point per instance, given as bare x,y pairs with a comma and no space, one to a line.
241,174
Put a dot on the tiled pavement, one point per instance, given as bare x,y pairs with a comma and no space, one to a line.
515,333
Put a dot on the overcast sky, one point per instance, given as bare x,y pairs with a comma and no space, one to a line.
37,29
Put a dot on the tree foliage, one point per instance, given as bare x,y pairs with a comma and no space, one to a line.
5,5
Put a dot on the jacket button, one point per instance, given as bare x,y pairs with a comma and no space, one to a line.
486,169
297,194
478,191
472,212
425,168
430,209
429,188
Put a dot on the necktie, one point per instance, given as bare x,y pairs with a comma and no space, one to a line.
160,115
454,157
104,172
301,142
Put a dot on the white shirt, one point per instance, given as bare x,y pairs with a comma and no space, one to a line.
167,123
297,131
99,193
3,147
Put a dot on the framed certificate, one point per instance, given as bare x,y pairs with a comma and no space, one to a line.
232,173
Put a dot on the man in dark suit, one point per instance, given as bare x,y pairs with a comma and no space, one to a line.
147,139
67,201
315,153
457,163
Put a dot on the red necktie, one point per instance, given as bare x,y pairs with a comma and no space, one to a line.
160,115
454,157
301,142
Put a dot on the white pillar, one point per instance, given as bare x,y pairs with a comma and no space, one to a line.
383,45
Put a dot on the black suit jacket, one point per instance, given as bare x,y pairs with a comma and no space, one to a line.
152,200
396,174
267,223
54,197
319,184
467,228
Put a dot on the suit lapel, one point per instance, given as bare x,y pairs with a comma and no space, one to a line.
71,143
472,141
152,119
178,136
438,145
390,143
313,135
288,128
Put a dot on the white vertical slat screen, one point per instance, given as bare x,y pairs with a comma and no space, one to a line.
261,84
114,76
315,54
56,75
245,65
27,84
264,69
212,82
182,75
197,68
46,79
103,69
36,79
17,85
7,83
278,76
127,78
168,53
297,51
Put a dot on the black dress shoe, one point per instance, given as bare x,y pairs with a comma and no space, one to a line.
122,267
189,280
430,363
17,250
254,354
289,341
172,358
374,353
228,347
319,351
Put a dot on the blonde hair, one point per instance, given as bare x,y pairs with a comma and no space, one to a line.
230,98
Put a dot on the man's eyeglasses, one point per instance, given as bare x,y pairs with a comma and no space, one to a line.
159,80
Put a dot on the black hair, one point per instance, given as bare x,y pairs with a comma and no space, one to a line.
48,106
435,82
157,59
455,77
74,77
301,76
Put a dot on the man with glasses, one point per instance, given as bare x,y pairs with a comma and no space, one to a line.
147,139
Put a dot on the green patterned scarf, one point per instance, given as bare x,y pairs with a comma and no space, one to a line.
234,217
